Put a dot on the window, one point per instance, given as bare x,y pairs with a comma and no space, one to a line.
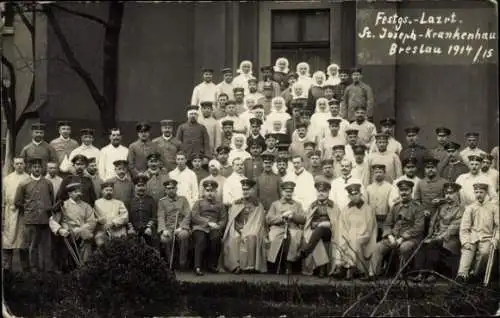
301,35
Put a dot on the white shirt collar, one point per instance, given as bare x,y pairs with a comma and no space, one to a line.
35,178
166,138
37,143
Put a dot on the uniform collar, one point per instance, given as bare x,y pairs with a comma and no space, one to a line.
358,205
37,143
35,178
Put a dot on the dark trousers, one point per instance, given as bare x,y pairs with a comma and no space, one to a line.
201,240
380,224
319,233
38,255
181,245
430,255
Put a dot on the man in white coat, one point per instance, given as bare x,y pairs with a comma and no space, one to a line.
114,151
304,192
338,193
206,90
186,179
232,187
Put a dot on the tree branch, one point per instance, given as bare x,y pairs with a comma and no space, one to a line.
78,13
73,62
25,20
10,92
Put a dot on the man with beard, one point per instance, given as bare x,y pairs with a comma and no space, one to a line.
174,208
167,144
186,179
206,90
92,173
243,240
214,168
285,211
226,133
282,167
467,181
319,231
387,127
64,145
226,86
87,147
298,141
439,152
140,149
38,148
253,93
442,242
472,140
358,94
479,230
76,218
413,149
34,199
86,190
53,177
123,187
109,154
226,169
208,220
453,166
211,124
268,183
194,136
111,215
142,212
490,172
360,168
12,219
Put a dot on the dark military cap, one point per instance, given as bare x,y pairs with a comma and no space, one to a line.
300,125
352,131
143,127
38,126
475,158
223,150
252,80
227,122
258,106
359,149
430,161
287,185
282,159
253,144
315,153
333,102
107,184
306,112
80,158
153,156
267,86
382,136
248,183
443,130
282,138
210,185
356,70
353,188
170,183
73,186
87,132
409,160
238,89
488,157
412,130
191,108
338,147
118,163
454,187
452,146
334,121
329,87
293,74
481,186
388,122
357,107
343,70
231,102
197,156
226,70
472,134
301,100
255,121
309,143
270,135
327,162
207,70
206,104
268,156
62,123
378,166
283,147
141,179
92,160
34,161
322,185
405,184
266,68
167,123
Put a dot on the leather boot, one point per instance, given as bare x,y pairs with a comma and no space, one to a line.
24,256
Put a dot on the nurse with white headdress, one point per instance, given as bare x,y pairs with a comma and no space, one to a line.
281,70
278,113
332,71
238,148
319,120
244,74
304,76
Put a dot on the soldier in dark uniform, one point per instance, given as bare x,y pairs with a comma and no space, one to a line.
123,189
194,136
167,144
227,132
402,231
291,124
315,167
255,136
439,152
142,212
39,148
140,149
413,149
156,176
196,164
174,219
222,155
64,144
253,166
89,195
91,172
453,166
208,219
271,143
268,182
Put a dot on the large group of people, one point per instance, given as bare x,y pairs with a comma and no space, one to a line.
283,174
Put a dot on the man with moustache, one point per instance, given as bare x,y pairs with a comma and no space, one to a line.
64,145
114,151
86,187
142,212
226,86
206,90
140,149
453,166
194,136
268,183
38,147
467,181
167,144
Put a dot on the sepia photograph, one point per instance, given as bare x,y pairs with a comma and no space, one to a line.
308,158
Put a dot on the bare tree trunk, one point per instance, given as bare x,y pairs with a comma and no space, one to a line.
9,154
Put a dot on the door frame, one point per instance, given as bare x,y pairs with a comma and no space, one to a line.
265,25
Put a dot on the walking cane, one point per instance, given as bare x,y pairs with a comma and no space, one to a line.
489,265
172,250
285,237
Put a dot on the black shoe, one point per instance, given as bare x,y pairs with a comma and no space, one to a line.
198,272
322,272
238,271
213,269
339,272
461,279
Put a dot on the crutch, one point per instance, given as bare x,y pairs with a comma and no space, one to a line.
172,250
72,252
285,237
489,265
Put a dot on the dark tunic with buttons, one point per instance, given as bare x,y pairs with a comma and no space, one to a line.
171,208
268,188
320,215
200,174
123,190
35,199
138,151
205,211
451,171
142,211
194,139
154,186
405,220
43,151
253,167
418,152
168,150
88,192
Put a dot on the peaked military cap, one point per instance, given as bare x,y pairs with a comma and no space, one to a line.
316,153
409,160
293,75
329,86
34,161
322,185
287,185
191,108
430,161
231,101
227,122
207,104
300,125
333,102
80,158
255,121
475,158
353,188
207,70
356,70
282,159
143,127
223,150
452,146
258,106
118,163
481,186
327,162
387,122
62,123
472,134
270,135
210,184
238,89
405,184
412,130
334,121
248,183
87,132
170,183
443,130
451,186
382,136
378,166
352,131
338,147
141,179
359,149
283,147
252,80
167,123
38,126
107,184
153,156
197,156
267,156
73,186
226,70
